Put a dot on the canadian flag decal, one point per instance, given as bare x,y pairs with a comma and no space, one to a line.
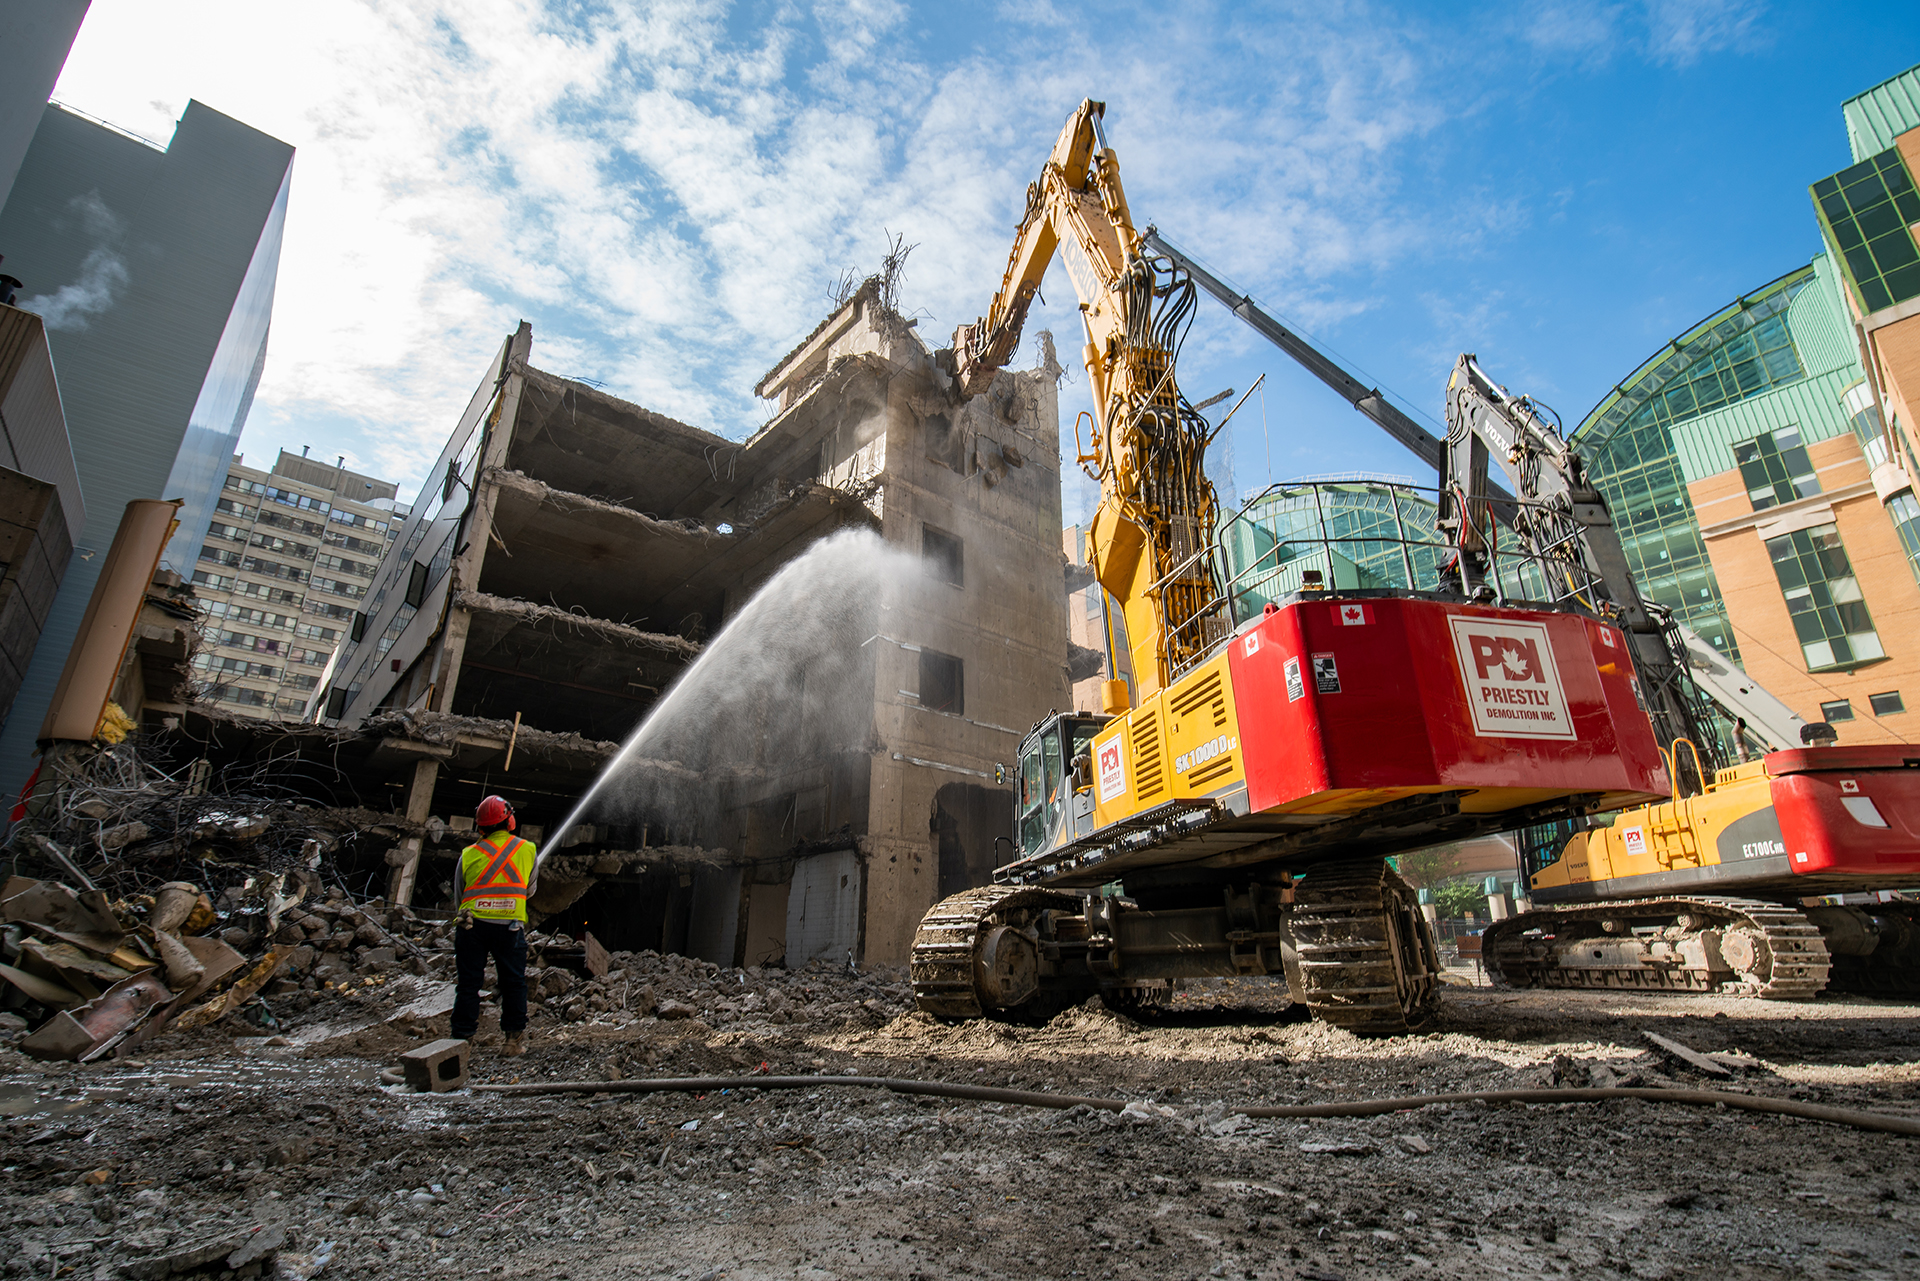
1352,614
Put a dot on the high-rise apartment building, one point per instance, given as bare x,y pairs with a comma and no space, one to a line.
153,268
286,563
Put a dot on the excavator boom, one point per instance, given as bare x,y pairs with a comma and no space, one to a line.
1151,540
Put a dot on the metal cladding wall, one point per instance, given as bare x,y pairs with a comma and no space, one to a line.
1354,702
137,258
37,38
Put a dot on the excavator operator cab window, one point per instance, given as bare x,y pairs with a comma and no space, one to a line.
1042,803
1031,796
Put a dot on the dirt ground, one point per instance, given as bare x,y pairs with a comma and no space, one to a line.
115,1169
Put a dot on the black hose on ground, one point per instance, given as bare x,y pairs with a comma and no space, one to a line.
1358,1107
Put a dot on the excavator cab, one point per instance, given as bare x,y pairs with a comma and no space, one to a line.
1052,800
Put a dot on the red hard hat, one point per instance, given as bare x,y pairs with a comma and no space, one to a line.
494,812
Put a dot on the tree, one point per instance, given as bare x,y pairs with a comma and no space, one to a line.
1427,868
1460,896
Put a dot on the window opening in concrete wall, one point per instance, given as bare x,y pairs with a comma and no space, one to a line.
946,555
1887,704
946,443
1775,468
1823,598
942,683
1839,710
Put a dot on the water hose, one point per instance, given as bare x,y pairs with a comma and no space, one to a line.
1859,1120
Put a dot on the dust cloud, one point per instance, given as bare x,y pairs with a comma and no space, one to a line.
788,683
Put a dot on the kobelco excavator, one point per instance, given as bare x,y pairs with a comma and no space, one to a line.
1259,755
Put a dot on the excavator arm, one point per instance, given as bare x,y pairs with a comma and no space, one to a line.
1151,540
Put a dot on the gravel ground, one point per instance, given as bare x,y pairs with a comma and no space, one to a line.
122,1169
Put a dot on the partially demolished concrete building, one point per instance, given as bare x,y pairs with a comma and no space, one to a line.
571,554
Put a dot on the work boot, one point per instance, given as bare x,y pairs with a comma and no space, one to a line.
516,1044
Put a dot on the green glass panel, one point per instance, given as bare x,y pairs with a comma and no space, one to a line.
1826,187
1846,234
1860,265
1854,173
1908,203
1866,193
1880,220
1874,294
1904,283
1893,170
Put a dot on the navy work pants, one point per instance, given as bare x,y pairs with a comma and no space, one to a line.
507,945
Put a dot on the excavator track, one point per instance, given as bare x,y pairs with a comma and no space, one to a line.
946,947
1367,957
1893,967
1772,952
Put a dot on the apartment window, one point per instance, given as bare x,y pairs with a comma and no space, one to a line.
260,591
1823,598
1838,710
245,486
1887,704
344,565
284,546
336,539
942,683
334,587
308,631
280,520
289,498
946,556
232,508
244,697
273,569
1775,468
219,582
1904,512
232,533
364,522
230,559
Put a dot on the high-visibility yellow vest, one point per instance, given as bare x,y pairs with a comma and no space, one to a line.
494,875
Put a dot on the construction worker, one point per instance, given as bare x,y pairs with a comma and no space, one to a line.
491,888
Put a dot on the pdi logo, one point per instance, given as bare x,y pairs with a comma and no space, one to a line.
1508,673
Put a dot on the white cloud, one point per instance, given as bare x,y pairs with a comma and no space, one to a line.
1681,32
667,192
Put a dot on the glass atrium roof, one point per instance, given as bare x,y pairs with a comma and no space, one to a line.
1739,351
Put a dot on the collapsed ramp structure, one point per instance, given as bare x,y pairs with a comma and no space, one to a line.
1277,733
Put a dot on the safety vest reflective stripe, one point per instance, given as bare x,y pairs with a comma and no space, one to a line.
502,878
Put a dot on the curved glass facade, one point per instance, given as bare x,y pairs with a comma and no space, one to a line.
1741,351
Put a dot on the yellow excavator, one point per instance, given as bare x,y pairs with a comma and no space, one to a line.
1717,887
1231,809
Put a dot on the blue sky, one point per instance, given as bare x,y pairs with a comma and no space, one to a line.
668,192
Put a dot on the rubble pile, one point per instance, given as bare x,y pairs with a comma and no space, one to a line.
125,822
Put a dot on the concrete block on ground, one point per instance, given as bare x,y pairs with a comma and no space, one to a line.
437,1066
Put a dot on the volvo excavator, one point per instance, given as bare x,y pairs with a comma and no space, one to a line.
1232,808
1705,891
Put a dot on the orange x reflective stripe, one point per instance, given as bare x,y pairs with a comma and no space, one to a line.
501,877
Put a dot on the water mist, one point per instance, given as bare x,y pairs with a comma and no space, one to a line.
787,682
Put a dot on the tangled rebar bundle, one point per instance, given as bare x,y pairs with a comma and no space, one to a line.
127,819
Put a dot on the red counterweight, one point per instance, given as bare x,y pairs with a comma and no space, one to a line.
1351,702
1850,811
